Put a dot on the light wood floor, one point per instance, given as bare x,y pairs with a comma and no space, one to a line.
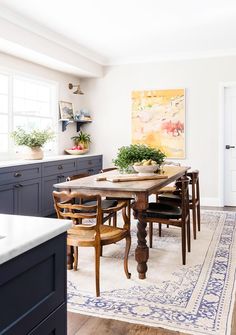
87,325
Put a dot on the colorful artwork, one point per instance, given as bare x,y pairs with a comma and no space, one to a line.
158,120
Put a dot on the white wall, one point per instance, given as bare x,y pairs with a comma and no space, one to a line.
64,93
109,99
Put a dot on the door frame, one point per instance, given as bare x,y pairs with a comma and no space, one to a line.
221,149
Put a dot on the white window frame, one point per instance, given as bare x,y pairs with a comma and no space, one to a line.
12,149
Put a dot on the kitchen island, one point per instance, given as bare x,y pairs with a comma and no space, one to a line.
32,275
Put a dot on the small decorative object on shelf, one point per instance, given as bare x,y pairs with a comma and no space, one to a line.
83,115
81,144
66,117
34,140
66,110
136,153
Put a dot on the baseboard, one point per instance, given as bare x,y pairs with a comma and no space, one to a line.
211,202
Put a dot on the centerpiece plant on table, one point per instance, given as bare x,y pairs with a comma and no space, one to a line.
34,140
136,153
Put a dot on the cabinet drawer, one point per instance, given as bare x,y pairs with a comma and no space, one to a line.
59,167
54,324
19,173
87,163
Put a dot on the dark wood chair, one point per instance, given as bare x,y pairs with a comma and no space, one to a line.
178,216
194,200
77,206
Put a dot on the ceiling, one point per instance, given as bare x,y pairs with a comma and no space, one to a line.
126,31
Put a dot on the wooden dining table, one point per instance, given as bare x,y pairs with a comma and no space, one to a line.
139,190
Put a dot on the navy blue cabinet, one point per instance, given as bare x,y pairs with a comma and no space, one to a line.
19,193
91,165
7,199
57,172
54,172
27,189
32,303
29,197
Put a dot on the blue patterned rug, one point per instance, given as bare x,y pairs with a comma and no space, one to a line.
197,298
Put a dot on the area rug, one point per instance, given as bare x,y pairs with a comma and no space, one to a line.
197,298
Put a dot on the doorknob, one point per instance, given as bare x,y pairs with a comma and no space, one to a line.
229,146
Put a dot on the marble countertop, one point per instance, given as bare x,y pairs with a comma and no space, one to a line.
45,159
21,233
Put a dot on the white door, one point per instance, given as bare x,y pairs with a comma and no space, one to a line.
230,147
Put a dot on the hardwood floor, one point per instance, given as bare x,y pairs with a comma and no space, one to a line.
88,325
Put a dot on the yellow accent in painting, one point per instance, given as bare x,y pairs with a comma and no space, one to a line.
158,120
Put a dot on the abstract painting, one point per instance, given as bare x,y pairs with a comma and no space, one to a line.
158,120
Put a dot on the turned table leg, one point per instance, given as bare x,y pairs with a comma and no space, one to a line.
70,258
142,250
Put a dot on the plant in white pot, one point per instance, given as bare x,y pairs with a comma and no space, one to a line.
34,140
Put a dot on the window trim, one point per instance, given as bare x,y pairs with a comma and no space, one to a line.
54,85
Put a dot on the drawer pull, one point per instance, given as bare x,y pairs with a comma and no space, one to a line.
60,167
17,174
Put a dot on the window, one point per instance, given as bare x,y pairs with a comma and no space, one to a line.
27,103
4,116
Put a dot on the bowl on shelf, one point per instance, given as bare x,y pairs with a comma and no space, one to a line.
76,152
146,169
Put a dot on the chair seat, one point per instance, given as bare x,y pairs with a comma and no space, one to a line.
167,189
77,236
163,211
105,204
171,196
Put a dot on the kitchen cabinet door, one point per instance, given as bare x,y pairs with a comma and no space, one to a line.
28,199
7,199
47,199
47,189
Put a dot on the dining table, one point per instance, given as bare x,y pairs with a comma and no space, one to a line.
113,184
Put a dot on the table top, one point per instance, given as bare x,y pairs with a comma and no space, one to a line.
127,188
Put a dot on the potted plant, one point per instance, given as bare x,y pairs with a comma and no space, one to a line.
128,155
82,140
34,140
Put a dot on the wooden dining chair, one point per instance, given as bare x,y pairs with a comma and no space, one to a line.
171,187
173,197
109,206
127,200
78,206
178,216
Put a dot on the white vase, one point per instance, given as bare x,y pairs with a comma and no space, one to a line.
34,153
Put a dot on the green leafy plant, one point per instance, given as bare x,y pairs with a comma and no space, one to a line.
82,138
128,155
32,139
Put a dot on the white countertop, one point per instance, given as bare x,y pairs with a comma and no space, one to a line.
21,233
45,159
